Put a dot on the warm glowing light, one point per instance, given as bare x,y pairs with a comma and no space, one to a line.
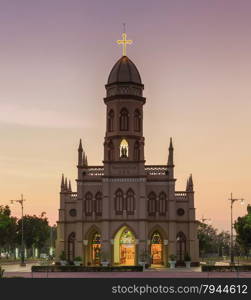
124,42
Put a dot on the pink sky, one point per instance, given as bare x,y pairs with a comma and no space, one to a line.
194,59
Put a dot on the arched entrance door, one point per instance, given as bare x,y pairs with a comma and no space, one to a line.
71,246
95,249
156,249
181,246
124,247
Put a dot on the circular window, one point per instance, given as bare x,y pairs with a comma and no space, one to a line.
73,212
180,212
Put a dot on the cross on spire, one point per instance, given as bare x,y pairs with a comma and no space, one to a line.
124,42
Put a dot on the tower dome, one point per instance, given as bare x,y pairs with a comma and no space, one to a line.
124,71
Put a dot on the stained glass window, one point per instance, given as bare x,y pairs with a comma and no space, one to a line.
127,237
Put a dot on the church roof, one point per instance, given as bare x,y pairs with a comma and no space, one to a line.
124,71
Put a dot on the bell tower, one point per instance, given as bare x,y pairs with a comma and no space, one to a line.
124,141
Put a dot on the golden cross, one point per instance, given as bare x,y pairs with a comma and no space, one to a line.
124,42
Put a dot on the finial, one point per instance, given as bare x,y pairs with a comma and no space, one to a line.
80,148
62,181
66,184
171,143
124,42
190,183
70,186
170,156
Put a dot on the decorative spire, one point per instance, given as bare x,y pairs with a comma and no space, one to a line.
70,186
80,152
62,182
187,186
66,185
190,183
170,156
80,148
85,163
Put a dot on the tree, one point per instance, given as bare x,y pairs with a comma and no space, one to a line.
210,241
36,231
243,230
8,229
207,237
223,243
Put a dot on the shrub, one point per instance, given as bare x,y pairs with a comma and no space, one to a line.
236,268
78,258
62,256
86,269
172,257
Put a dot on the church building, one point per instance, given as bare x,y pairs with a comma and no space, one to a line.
125,211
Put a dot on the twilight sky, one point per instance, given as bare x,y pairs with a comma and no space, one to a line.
194,59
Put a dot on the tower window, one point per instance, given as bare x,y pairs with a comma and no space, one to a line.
124,148
119,202
137,120
110,120
98,204
152,204
130,202
162,204
88,204
124,120
136,153
110,151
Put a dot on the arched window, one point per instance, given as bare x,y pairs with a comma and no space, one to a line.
124,120
124,149
98,204
88,204
162,204
110,151
136,153
110,120
130,202
119,202
152,204
137,120
71,246
181,246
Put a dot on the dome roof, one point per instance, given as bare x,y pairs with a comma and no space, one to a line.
124,71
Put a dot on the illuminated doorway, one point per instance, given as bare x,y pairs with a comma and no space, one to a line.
95,249
124,247
156,249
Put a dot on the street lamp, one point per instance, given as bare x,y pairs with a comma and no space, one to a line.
21,201
231,241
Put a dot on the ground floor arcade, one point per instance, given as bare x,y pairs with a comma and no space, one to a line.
126,249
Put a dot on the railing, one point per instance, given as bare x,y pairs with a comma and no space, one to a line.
156,170
95,171
181,196
74,195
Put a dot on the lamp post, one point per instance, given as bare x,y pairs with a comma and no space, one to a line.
232,200
21,201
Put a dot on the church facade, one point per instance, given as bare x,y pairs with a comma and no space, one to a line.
125,211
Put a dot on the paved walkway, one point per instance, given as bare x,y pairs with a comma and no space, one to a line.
130,275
